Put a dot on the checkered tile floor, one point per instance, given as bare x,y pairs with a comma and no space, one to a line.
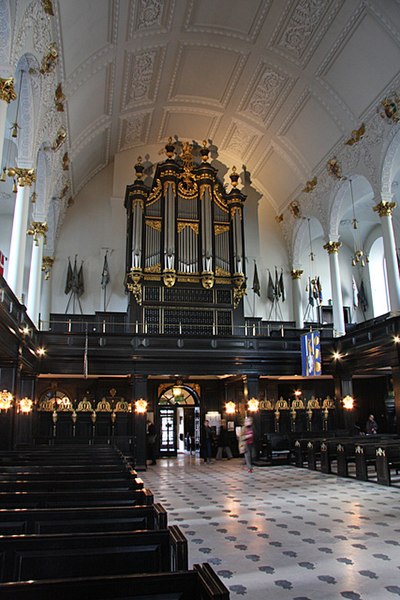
282,533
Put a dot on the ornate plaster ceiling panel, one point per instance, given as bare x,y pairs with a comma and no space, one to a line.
268,86
188,124
142,72
278,175
242,19
87,25
206,73
149,16
87,106
356,57
311,130
240,140
301,27
134,130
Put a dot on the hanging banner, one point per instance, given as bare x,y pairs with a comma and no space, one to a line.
310,354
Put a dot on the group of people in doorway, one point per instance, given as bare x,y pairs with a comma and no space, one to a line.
245,443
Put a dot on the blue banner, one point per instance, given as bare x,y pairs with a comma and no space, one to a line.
310,354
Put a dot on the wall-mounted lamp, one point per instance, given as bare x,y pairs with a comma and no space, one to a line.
253,405
6,400
25,406
336,355
230,408
41,351
348,402
140,406
297,393
396,339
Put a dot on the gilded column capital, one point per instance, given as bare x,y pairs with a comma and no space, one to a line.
7,91
296,273
384,209
37,229
25,177
332,247
47,264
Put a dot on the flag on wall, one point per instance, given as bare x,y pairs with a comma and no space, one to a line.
311,354
355,292
270,288
256,281
2,260
310,292
282,286
105,275
362,297
68,283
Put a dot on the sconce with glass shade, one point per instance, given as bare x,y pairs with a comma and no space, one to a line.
348,402
141,406
6,400
253,405
25,405
230,408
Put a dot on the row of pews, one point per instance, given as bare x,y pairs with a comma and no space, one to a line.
368,458
77,521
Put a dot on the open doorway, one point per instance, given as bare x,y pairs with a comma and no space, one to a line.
179,421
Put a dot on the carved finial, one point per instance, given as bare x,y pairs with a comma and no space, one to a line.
139,168
234,177
170,148
204,151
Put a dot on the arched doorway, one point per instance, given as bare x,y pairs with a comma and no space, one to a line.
179,420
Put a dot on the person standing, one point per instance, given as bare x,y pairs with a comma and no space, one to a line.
223,444
371,427
208,438
151,442
248,435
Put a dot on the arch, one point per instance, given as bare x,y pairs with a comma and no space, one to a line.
28,88
390,166
306,227
188,396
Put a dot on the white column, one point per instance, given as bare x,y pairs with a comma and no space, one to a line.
16,261
337,300
385,209
45,306
38,230
7,94
297,298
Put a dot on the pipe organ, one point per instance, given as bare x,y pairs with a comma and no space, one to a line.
185,259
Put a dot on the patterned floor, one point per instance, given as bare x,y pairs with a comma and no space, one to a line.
282,533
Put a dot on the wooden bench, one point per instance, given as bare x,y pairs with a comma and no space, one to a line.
82,520
53,556
387,460
76,485
200,583
68,498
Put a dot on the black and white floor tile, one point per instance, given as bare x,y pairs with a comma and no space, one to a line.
283,533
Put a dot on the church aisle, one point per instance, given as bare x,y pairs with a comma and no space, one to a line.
284,533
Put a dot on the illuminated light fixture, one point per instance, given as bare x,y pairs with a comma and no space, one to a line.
253,405
25,405
297,393
359,257
6,400
348,402
177,390
25,330
41,351
230,408
141,406
396,339
336,355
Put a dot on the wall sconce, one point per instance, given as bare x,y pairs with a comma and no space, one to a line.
297,393
396,339
41,351
336,355
230,408
141,406
348,402
25,406
6,400
253,405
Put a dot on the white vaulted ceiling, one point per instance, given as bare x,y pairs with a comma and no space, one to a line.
275,85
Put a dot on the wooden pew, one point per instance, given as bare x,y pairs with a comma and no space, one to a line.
77,485
200,583
53,556
108,497
82,520
387,460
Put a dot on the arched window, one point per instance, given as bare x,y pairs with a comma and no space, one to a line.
378,278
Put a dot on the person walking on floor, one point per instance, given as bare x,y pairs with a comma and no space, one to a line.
248,435
151,442
208,439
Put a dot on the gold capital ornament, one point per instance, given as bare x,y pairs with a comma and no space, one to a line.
7,92
47,264
385,209
332,247
296,273
38,229
25,177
